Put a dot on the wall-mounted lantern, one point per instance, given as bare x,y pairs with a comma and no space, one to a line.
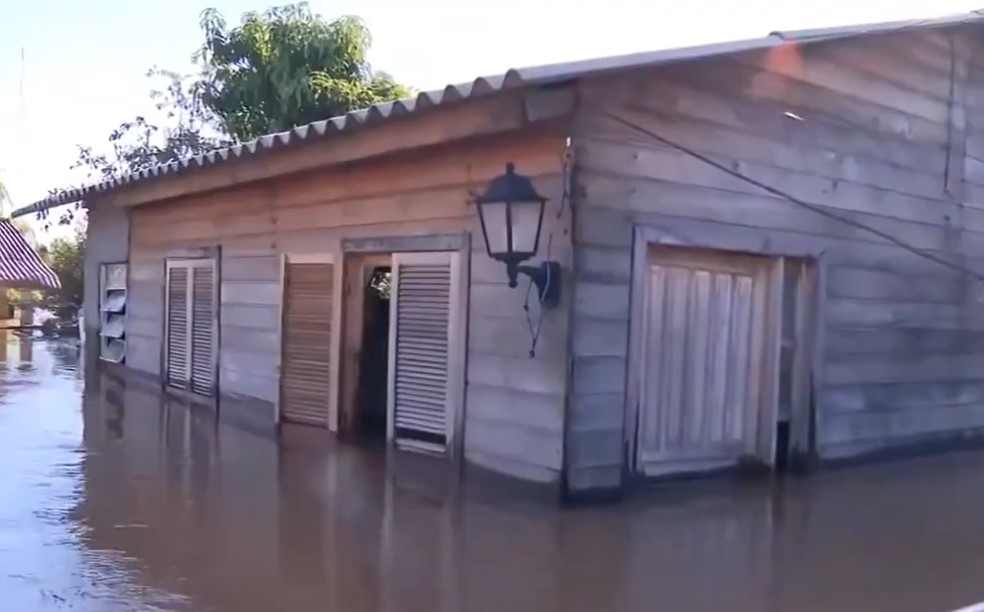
511,212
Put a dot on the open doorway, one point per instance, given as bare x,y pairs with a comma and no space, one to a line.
794,423
365,358
371,386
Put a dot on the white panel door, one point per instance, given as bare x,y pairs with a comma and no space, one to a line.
426,350
707,395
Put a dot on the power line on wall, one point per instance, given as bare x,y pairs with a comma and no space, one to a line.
815,208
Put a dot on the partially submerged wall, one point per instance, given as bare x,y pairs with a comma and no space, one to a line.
514,403
883,130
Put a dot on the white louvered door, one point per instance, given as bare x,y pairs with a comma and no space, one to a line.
177,349
203,308
190,350
306,374
426,349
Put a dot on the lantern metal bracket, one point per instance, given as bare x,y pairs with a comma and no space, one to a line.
546,278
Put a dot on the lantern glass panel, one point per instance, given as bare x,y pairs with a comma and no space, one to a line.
496,226
526,226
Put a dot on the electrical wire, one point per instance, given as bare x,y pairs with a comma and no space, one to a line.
820,210
534,329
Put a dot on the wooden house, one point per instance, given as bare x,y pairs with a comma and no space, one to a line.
769,251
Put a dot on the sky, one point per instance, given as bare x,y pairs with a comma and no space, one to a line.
72,71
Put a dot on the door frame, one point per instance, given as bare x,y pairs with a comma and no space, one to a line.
461,245
326,257
808,361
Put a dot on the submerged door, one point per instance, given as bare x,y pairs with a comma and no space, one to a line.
426,349
306,339
707,396
190,326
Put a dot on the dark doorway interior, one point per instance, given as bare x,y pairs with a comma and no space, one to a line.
371,395
782,447
792,276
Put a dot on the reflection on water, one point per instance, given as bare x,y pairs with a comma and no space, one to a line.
122,501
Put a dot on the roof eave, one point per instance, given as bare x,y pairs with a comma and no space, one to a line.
482,87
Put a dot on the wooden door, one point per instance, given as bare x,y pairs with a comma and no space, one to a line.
708,368
426,350
306,370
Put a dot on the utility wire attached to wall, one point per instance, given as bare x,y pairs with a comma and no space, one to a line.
532,290
535,328
816,208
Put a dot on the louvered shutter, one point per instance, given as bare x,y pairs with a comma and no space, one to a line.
306,337
203,328
424,354
177,350
191,337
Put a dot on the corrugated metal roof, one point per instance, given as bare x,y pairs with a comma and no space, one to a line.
485,86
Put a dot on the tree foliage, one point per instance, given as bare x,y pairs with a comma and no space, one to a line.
279,68
139,144
65,257
189,129
285,67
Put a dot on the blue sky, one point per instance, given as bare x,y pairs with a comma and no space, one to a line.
84,62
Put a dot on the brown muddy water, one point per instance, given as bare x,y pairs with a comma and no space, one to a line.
114,500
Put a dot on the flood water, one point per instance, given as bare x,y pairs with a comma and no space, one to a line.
114,500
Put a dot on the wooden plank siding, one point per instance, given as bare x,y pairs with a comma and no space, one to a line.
514,404
249,321
145,310
887,131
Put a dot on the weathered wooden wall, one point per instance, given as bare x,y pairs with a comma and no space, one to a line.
514,404
888,130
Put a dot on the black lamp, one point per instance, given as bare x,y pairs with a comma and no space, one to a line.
511,212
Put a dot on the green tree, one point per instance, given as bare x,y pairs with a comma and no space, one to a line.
65,257
286,67
279,68
138,144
